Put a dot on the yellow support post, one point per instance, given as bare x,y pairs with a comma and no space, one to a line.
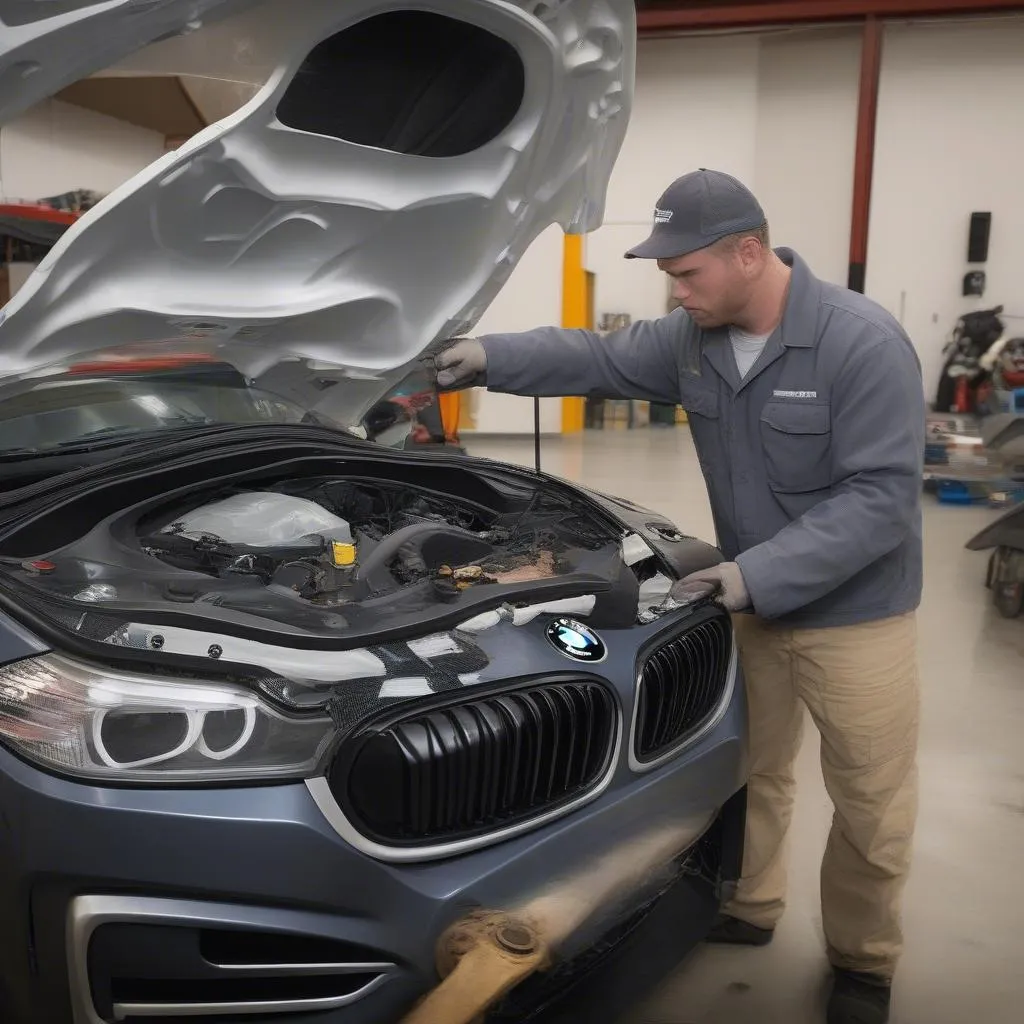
450,407
576,312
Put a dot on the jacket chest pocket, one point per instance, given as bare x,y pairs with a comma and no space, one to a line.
797,441
702,410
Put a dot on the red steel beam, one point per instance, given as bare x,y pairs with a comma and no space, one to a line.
36,211
864,154
683,16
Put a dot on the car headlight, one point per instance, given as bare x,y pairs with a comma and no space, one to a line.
100,723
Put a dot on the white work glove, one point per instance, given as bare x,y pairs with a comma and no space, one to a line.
726,579
462,365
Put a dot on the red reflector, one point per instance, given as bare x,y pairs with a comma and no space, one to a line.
143,364
40,565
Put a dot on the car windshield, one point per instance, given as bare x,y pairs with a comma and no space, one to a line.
96,400
115,395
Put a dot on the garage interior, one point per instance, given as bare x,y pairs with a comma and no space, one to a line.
882,138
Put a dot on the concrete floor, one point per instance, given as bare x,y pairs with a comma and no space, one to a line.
964,907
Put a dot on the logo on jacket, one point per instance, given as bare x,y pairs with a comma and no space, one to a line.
575,640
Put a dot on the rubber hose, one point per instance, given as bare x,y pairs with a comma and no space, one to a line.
372,574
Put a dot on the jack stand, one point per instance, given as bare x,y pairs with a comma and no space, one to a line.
480,958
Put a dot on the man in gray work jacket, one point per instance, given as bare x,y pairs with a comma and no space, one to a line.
807,411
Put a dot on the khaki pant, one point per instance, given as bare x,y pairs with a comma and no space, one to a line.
860,685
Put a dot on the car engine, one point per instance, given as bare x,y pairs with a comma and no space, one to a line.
373,553
335,542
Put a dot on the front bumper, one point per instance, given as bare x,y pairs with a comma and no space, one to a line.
76,857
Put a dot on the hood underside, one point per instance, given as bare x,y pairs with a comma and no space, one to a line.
372,197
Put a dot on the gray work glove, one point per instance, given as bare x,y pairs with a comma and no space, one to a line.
462,365
724,580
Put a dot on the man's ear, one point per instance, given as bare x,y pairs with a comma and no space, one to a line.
751,252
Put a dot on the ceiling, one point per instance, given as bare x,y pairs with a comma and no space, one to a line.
176,107
659,16
161,104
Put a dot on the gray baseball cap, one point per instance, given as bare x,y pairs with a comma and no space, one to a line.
697,210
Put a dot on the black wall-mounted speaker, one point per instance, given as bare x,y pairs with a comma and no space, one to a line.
977,239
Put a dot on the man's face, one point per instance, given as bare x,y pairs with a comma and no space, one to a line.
713,285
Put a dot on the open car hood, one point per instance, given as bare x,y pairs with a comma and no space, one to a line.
392,165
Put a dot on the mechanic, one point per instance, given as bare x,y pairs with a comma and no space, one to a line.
807,412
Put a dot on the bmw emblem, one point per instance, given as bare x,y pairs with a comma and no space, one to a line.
575,640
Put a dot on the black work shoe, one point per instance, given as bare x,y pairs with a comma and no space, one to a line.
858,998
731,931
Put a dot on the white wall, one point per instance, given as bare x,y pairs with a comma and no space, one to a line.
806,138
778,111
950,140
18,274
531,298
695,105
56,147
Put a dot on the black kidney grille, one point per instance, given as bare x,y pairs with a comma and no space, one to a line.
479,765
681,684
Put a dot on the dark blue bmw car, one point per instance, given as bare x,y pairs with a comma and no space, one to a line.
285,702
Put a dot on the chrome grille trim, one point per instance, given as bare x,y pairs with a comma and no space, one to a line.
693,738
122,1011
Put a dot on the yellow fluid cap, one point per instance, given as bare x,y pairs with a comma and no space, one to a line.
343,554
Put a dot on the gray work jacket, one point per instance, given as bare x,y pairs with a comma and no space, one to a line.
813,463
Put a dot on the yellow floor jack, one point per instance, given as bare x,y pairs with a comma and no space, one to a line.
486,954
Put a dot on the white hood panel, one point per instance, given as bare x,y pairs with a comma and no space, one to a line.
303,245
46,45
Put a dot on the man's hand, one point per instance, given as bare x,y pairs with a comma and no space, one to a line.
462,365
725,578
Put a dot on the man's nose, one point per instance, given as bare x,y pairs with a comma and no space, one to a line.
680,290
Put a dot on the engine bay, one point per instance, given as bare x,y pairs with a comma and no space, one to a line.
299,552
334,542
